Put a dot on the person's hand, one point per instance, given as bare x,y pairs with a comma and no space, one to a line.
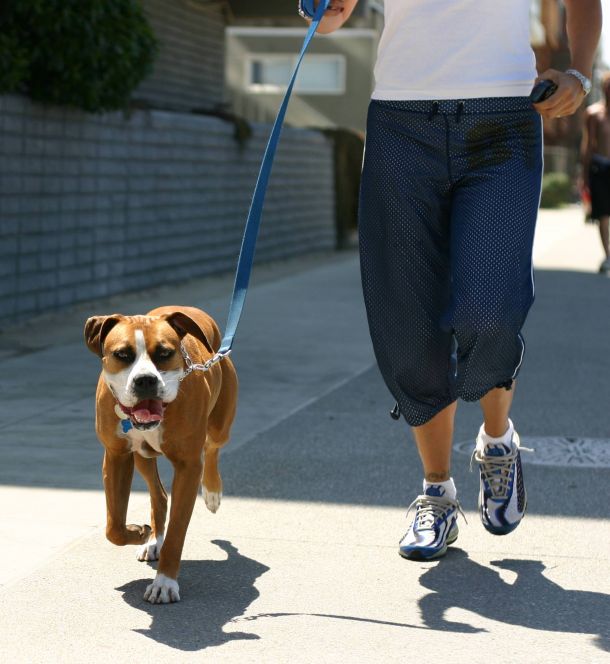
565,100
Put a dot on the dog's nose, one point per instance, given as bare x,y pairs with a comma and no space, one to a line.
146,383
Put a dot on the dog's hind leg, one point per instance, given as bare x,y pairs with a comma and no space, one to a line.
158,507
219,429
212,482
117,473
222,415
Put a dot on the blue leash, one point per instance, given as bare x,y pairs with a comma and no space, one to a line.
248,244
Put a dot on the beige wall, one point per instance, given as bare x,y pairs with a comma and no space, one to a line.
348,110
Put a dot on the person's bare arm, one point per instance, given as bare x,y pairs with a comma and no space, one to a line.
335,16
583,24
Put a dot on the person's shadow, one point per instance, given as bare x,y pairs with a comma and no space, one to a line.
532,600
214,593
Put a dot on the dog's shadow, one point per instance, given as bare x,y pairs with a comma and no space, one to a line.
214,592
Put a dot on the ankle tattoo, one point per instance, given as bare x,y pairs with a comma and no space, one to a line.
437,477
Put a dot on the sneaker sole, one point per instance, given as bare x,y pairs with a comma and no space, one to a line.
425,554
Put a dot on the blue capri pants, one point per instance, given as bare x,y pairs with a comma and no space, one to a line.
448,204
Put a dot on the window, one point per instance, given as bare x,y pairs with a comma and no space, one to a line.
319,74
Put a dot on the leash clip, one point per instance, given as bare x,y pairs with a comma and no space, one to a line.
206,366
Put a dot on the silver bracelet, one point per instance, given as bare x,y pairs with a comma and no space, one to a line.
583,80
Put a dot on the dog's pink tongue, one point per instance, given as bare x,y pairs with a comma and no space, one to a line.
144,415
150,410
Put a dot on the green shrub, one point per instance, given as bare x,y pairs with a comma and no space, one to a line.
14,63
90,54
556,190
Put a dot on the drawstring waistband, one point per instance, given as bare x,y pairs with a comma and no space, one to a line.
458,107
436,106
459,111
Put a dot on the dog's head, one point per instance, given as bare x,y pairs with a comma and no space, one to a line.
142,362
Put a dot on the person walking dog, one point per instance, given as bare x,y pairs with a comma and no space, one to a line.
448,204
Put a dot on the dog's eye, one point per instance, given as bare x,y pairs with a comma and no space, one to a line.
164,353
123,354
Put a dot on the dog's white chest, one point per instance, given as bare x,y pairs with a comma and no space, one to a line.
142,441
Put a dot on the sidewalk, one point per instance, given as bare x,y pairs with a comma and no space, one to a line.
300,562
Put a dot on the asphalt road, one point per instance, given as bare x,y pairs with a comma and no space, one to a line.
300,564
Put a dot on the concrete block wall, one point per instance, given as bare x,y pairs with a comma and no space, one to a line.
189,71
96,205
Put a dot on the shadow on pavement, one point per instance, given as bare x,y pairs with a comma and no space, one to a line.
344,448
532,601
214,592
334,616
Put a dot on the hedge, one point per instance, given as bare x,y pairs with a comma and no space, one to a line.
88,54
556,190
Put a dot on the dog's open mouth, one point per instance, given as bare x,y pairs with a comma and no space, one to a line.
146,414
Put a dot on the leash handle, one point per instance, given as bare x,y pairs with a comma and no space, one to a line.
307,8
248,244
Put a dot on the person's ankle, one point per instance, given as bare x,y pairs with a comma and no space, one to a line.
437,477
497,430
485,438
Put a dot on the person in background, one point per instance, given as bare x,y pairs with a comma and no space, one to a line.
595,157
449,197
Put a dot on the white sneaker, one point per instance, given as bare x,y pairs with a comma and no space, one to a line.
502,495
433,528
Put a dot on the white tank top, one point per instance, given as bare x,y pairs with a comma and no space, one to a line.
454,49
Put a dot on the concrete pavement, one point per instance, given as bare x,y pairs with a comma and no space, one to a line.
300,562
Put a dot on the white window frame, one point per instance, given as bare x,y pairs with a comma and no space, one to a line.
257,88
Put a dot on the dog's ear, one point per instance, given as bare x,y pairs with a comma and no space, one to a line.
96,330
184,324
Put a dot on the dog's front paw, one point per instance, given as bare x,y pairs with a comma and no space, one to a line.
151,549
212,500
162,590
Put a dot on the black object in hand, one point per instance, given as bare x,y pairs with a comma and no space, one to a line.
542,90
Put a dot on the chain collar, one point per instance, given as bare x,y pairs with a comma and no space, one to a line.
193,366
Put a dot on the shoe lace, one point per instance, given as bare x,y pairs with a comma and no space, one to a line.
496,470
430,508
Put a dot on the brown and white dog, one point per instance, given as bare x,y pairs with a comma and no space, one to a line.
148,403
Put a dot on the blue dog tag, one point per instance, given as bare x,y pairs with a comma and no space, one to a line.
126,425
